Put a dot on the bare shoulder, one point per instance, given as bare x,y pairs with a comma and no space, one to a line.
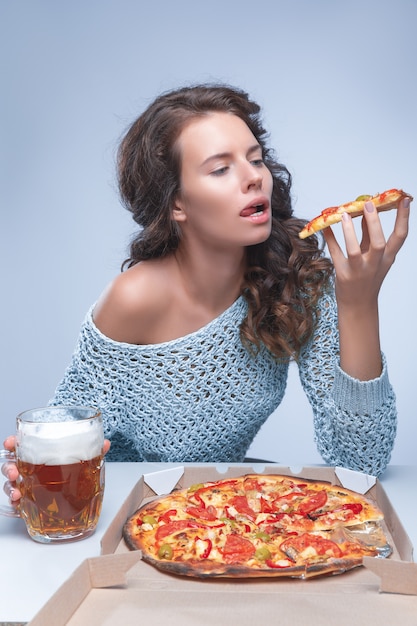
132,304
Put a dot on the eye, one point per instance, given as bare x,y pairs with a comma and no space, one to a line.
220,171
257,162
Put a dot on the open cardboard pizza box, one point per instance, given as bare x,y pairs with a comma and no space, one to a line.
119,588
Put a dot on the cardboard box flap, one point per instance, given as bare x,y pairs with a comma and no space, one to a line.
98,572
110,571
164,481
66,599
396,576
113,533
356,481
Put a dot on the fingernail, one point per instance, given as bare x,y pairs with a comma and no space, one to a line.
345,217
406,202
369,206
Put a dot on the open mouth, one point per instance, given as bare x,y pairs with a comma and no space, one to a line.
254,210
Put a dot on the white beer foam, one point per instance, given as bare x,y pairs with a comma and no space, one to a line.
61,444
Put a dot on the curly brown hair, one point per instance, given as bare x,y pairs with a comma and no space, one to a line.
285,274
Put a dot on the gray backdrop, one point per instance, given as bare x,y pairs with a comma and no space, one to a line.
337,80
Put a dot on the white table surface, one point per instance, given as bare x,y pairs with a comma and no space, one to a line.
40,569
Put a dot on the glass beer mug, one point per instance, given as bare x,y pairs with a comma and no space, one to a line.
59,456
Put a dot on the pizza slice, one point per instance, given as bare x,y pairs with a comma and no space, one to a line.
313,505
383,202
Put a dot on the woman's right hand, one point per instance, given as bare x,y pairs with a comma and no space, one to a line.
9,470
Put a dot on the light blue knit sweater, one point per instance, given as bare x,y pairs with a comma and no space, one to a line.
204,397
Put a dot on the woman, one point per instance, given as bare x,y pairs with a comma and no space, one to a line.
187,351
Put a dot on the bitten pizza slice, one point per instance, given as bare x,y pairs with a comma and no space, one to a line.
383,202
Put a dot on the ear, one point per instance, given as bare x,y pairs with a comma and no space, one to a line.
178,212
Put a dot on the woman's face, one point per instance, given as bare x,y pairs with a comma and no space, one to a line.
225,192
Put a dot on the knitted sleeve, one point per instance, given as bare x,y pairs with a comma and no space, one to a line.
354,421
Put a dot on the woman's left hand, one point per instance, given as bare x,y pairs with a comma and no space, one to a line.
359,276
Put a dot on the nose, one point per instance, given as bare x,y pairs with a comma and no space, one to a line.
252,178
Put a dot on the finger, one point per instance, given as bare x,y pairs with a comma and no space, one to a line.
374,227
333,247
10,443
400,232
11,490
353,249
365,236
106,446
10,471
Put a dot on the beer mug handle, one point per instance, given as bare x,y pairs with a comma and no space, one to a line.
8,511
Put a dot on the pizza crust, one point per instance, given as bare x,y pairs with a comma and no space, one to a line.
385,201
213,570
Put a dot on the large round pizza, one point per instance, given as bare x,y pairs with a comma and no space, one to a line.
257,526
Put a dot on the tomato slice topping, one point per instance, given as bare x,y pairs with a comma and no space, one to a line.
209,514
237,549
241,504
171,528
306,540
315,501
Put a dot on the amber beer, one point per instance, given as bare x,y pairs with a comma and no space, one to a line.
60,461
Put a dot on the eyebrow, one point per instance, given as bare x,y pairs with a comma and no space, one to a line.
224,155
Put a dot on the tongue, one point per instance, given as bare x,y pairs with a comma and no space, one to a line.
249,211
